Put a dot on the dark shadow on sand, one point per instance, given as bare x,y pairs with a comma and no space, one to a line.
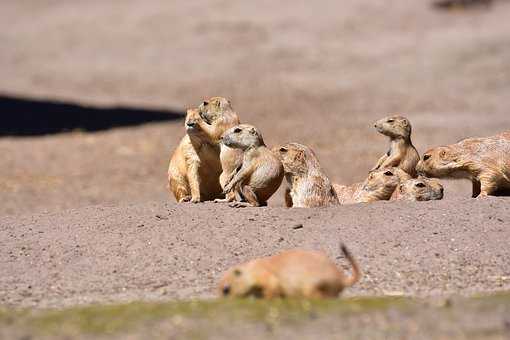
28,117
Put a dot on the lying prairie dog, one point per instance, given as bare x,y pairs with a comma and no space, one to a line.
419,189
292,273
483,161
261,172
378,186
307,184
402,153
218,110
195,168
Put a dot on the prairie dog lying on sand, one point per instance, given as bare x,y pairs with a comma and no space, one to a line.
308,186
419,189
484,161
378,186
292,273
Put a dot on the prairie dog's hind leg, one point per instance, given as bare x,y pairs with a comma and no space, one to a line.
179,187
249,195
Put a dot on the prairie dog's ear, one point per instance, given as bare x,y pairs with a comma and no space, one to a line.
443,154
253,131
405,122
401,188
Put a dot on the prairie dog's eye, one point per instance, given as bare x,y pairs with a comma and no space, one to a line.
237,130
283,150
391,120
388,173
425,157
205,103
237,272
420,185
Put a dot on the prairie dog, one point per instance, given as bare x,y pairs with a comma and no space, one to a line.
378,186
194,170
483,161
261,172
218,110
308,186
402,153
419,189
292,273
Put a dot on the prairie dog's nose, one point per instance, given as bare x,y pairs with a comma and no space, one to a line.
226,290
191,123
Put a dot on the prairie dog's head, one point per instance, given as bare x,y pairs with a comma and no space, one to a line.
217,112
420,189
249,280
195,125
394,126
243,137
379,185
439,162
296,158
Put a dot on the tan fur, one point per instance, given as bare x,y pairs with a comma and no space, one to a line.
378,186
292,273
261,172
308,186
194,170
484,161
419,189
213,111
402,153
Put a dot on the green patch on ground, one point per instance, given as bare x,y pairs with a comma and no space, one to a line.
227,318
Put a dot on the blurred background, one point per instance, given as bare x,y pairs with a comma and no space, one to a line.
92,93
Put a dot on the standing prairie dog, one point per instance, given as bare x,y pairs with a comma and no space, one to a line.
194,170
261,172
402,154
378,186
484,161
308,186
212,110
419,189
292,273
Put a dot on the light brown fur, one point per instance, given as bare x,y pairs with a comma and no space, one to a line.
292,273
213,110
402,153
419,189
378,186
308,186
261,172
195,166
484,161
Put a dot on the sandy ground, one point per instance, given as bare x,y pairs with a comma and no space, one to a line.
85,217
165,251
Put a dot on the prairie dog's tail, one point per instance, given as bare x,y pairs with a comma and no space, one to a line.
356,273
